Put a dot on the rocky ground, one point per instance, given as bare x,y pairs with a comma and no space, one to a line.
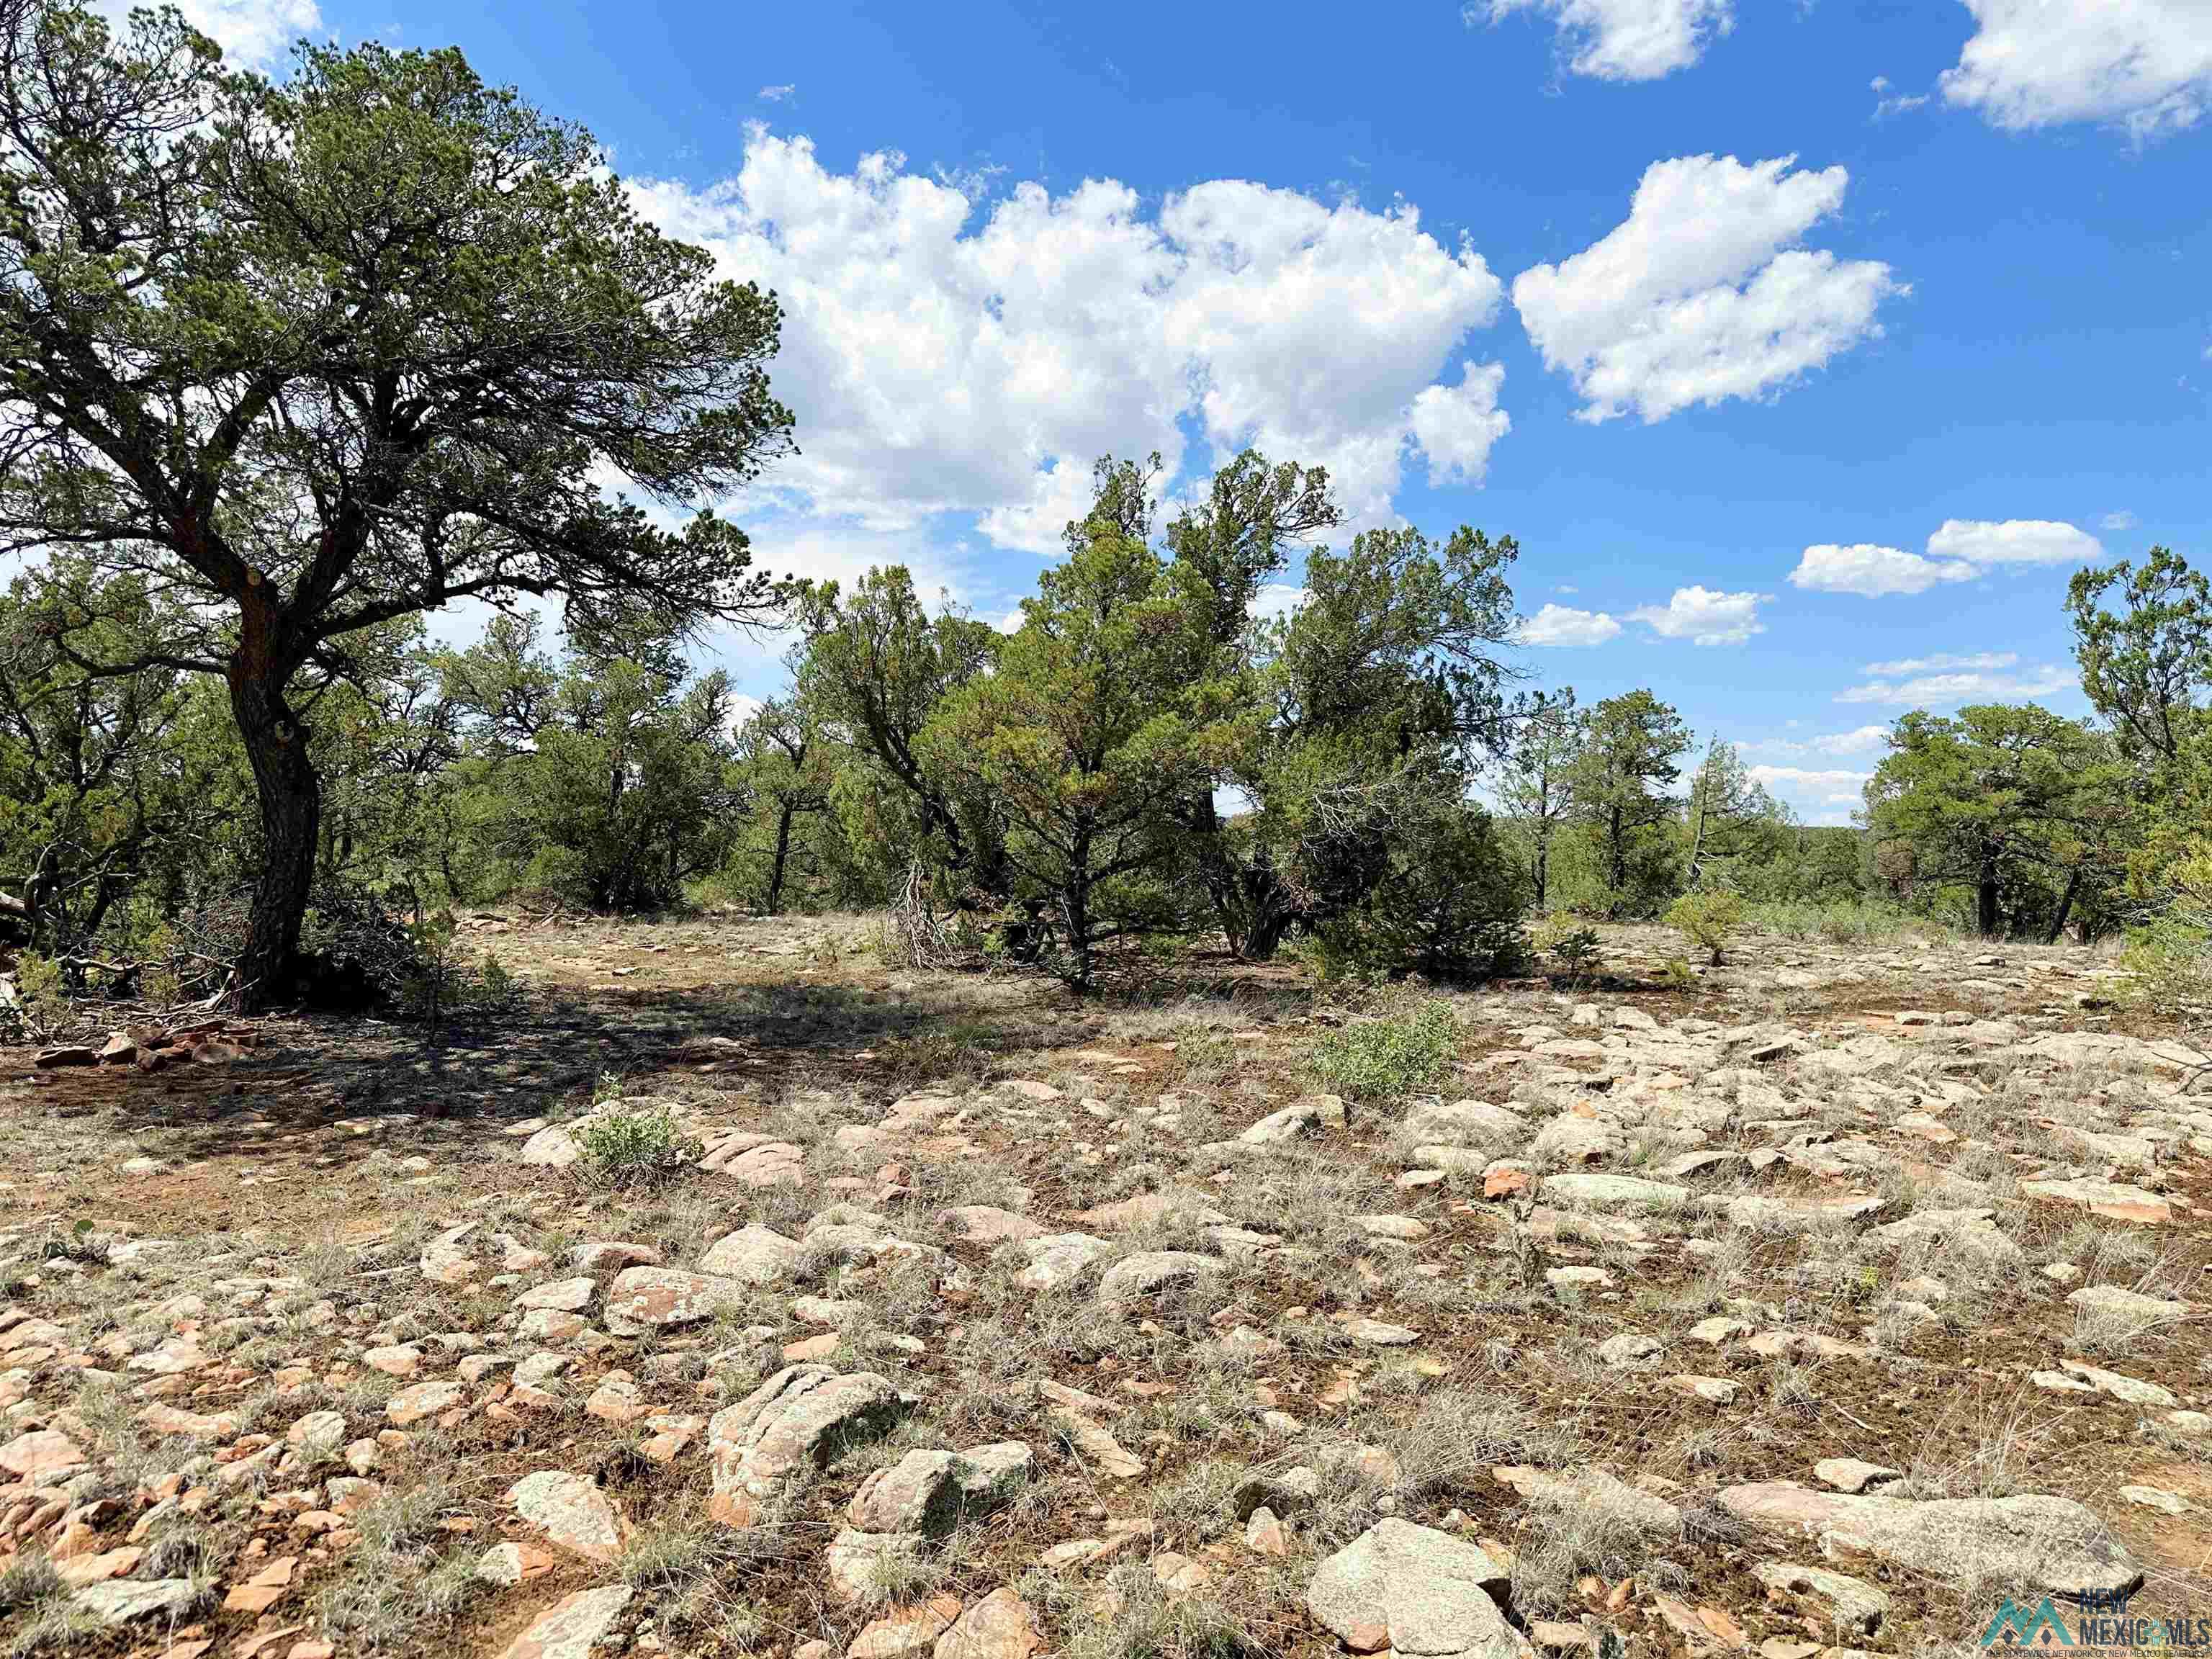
736,1293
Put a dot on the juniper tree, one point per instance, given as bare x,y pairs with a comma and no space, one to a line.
313,357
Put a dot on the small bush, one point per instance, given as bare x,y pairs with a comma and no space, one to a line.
1708,920
2167,963
1571,944
1383,1059
624,1148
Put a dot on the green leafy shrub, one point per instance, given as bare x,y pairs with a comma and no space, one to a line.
1709,921
2169,964
1383,1059
634,1148
1571,944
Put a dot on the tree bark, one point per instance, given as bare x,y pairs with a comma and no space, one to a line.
783,852
291,800
2065,907
1986,919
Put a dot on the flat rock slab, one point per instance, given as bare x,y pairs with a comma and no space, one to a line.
928,1492
551,1148
40,1454
986,1224
1150,1271
563,1295
753,1255
2108,1199
1858,1606
1464,1123
2132,1307
2032,1538
1850,1475
119,1601
643,1299
571,1627
1415,1591
572,1513
1581,1189
803,1414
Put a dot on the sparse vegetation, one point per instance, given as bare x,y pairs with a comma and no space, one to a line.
1388,1058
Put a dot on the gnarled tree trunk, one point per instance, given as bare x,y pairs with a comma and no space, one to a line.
291,799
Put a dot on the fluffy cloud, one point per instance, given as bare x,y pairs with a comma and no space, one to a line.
1859,740
253,33
1946,662
1276,600
1942,681
1703,617
2146,65
1455,426
1562,624
2122,519
934,366
1828,786
2015,541
1624,40
1960,550
1870,571
1702,294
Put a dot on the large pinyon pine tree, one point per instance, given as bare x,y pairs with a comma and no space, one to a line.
308,358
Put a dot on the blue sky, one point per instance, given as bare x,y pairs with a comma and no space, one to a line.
1790,337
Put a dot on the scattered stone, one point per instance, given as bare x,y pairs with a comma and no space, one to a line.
574,1514
2104,1198
1058,1259
419,1400
1415,1591
572,1626
904,1633
1853,1603
2131,1389
2156,1498
803,1414
120,1601
643,1299
2031,1538
999,1626
1150,1271
563,1295
1850,1475
928,1492
753,1255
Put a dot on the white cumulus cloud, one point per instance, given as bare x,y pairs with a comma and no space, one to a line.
1624,40
1827,785
1946,662
1859,740
1871,571
1562,624
2143,65
1455,426
1705,617
1950,681
254,34
934,366
2014,541
1704,292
